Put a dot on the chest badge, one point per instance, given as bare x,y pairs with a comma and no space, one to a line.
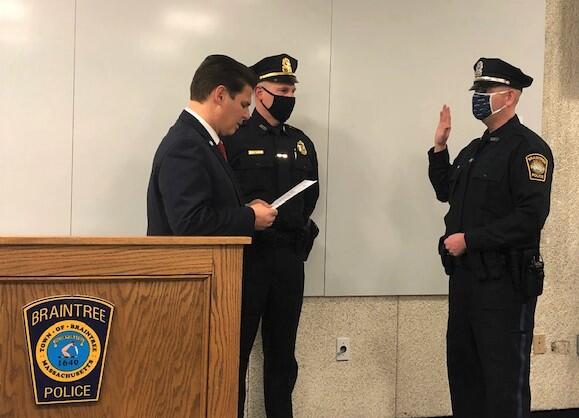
537,165
302,148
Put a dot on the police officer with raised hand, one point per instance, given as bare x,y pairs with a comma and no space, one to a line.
498,188
269,157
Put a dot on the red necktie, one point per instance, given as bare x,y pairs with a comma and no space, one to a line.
221,149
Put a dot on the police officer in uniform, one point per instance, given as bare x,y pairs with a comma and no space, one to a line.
498,188
269,157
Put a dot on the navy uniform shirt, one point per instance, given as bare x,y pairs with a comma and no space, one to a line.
268,161
498,187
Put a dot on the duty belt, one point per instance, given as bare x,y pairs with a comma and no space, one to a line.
275,238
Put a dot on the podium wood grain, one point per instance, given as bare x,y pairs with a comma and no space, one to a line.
174,341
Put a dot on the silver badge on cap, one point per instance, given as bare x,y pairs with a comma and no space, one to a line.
478,71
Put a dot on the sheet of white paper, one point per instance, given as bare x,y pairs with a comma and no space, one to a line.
293,192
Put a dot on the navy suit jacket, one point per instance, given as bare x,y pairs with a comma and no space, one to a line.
192,190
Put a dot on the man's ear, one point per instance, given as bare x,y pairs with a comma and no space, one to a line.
512,97
218,94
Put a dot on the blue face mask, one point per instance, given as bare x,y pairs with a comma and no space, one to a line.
482,106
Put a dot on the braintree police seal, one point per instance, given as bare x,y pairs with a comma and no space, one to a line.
67,339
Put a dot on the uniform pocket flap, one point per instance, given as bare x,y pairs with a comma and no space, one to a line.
303,163
488,174
248,162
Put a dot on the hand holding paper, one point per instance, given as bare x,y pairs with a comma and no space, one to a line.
293,192
264,214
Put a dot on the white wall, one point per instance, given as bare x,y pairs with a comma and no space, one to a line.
394,64
36,108
90,88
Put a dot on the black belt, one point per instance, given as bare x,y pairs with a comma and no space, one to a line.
276,238
486,264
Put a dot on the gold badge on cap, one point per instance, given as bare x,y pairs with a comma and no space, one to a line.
537,166
302,148
478,71
286,65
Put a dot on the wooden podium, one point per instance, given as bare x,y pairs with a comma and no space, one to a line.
174,337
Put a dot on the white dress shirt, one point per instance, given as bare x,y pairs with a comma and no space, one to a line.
203,122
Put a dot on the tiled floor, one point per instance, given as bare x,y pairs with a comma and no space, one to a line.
567,413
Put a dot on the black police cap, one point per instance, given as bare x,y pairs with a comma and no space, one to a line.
278,68
494,71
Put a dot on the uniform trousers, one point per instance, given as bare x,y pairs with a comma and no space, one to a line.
273,289
490,330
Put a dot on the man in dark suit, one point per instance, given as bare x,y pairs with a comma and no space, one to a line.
191,189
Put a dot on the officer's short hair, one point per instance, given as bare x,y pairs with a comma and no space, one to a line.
216,70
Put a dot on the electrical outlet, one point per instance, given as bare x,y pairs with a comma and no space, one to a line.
342,349
561,347
539,344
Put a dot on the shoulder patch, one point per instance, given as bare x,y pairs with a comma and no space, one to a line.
537,166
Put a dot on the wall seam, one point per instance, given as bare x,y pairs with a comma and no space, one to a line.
72,125
396,356
328,145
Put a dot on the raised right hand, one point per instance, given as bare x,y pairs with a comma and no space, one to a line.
442,130
264,214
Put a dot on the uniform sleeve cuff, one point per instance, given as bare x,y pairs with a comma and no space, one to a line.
438,158
472,240
251,218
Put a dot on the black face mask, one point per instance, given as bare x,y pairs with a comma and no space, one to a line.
282,106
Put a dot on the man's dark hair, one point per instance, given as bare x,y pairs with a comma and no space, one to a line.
216,70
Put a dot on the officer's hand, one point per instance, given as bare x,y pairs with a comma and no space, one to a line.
264,214
455,244
442,130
